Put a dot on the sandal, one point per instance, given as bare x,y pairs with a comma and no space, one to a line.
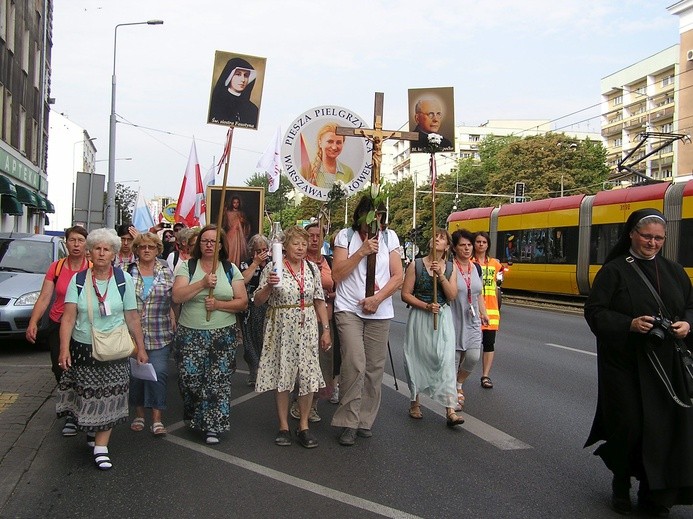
460,399
70,427
91,439
137,424
486,383
453,419
103,461
415,411
158,429
211,438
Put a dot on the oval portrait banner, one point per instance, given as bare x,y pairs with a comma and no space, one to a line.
168,212
314,157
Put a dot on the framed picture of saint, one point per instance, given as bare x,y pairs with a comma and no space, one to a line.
243,209
236,93
431,110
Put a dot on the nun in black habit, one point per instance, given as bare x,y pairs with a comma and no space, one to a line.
646,434
230,102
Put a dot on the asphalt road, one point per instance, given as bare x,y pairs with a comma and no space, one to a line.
519,454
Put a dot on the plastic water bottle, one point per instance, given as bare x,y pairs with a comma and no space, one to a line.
276,239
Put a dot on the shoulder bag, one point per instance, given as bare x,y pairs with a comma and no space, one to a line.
682,351
115,344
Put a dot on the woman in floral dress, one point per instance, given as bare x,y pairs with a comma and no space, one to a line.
295,326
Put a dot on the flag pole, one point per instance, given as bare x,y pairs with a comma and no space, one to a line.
220,216
432,165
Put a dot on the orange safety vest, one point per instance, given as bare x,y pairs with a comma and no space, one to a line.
489,270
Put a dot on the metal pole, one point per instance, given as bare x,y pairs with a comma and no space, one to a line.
110,193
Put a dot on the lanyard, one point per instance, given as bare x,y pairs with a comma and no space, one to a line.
467,278
102,298
301,286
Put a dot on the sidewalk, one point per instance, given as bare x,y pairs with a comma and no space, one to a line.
27,411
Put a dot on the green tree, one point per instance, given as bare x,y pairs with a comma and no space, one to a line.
125,200
545,163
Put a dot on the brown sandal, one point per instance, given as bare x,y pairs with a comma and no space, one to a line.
454,419
415,411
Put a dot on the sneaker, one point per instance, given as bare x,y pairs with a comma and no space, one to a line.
211,438
334,399
295,411
364,433
314,416
348,437
70,427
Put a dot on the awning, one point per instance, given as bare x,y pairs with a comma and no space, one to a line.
42,205
10,205
7,187
51,207
26,196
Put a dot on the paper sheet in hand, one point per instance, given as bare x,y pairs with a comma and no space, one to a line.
142,371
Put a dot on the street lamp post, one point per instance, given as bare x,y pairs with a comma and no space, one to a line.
110,197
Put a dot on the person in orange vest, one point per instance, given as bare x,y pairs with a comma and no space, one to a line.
492,277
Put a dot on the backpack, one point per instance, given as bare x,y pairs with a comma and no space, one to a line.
418,268
228,268
81,277
59,268
350,235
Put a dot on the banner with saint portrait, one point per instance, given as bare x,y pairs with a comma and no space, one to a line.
432,110
314,157
236,92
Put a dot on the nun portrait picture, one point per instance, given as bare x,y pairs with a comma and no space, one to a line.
237,90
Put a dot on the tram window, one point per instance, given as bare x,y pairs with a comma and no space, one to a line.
506,248
602,240
685,245
562,245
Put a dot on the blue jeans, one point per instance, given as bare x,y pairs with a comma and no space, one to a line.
146,393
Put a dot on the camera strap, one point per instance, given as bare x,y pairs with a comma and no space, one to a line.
680,349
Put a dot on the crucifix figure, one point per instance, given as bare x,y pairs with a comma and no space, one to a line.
377,135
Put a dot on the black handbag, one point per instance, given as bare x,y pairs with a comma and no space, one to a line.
682,351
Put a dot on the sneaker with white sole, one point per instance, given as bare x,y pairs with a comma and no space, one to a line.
314,416
295,412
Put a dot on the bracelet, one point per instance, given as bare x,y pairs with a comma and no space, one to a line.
325,326
428,307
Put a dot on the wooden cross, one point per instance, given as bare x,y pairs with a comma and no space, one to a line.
377,135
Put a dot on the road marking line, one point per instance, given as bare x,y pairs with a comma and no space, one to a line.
288,479
2,365
571,349
482,430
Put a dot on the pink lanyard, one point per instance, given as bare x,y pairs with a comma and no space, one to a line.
101,298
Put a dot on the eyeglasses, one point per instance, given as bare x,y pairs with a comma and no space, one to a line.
207,242
431,115
147,247
649,237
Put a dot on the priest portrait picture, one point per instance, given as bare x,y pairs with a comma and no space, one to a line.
431,111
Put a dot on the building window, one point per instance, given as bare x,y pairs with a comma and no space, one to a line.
34,141
618,100
667,128
669,80
7,119
3,19
26,39
474,138
618,143
22,131
37,65
11,16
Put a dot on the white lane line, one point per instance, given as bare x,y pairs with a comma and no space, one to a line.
320,490
2,365
570,349
482,430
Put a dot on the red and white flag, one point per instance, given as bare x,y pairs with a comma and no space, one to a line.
270,162
191,202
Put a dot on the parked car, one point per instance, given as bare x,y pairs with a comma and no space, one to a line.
24,260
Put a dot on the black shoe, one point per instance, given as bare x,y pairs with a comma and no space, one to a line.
283,438
652,509
620,495
364,433
348,437
306,439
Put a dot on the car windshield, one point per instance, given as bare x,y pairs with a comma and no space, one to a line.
25,255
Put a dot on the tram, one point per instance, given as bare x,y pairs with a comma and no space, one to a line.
557,245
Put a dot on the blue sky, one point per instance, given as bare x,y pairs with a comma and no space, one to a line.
534,59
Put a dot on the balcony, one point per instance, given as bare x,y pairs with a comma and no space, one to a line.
609,131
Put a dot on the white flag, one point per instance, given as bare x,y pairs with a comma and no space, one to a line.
142,218
191,203
270,162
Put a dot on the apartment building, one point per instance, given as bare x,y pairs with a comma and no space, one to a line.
25,57
641,100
